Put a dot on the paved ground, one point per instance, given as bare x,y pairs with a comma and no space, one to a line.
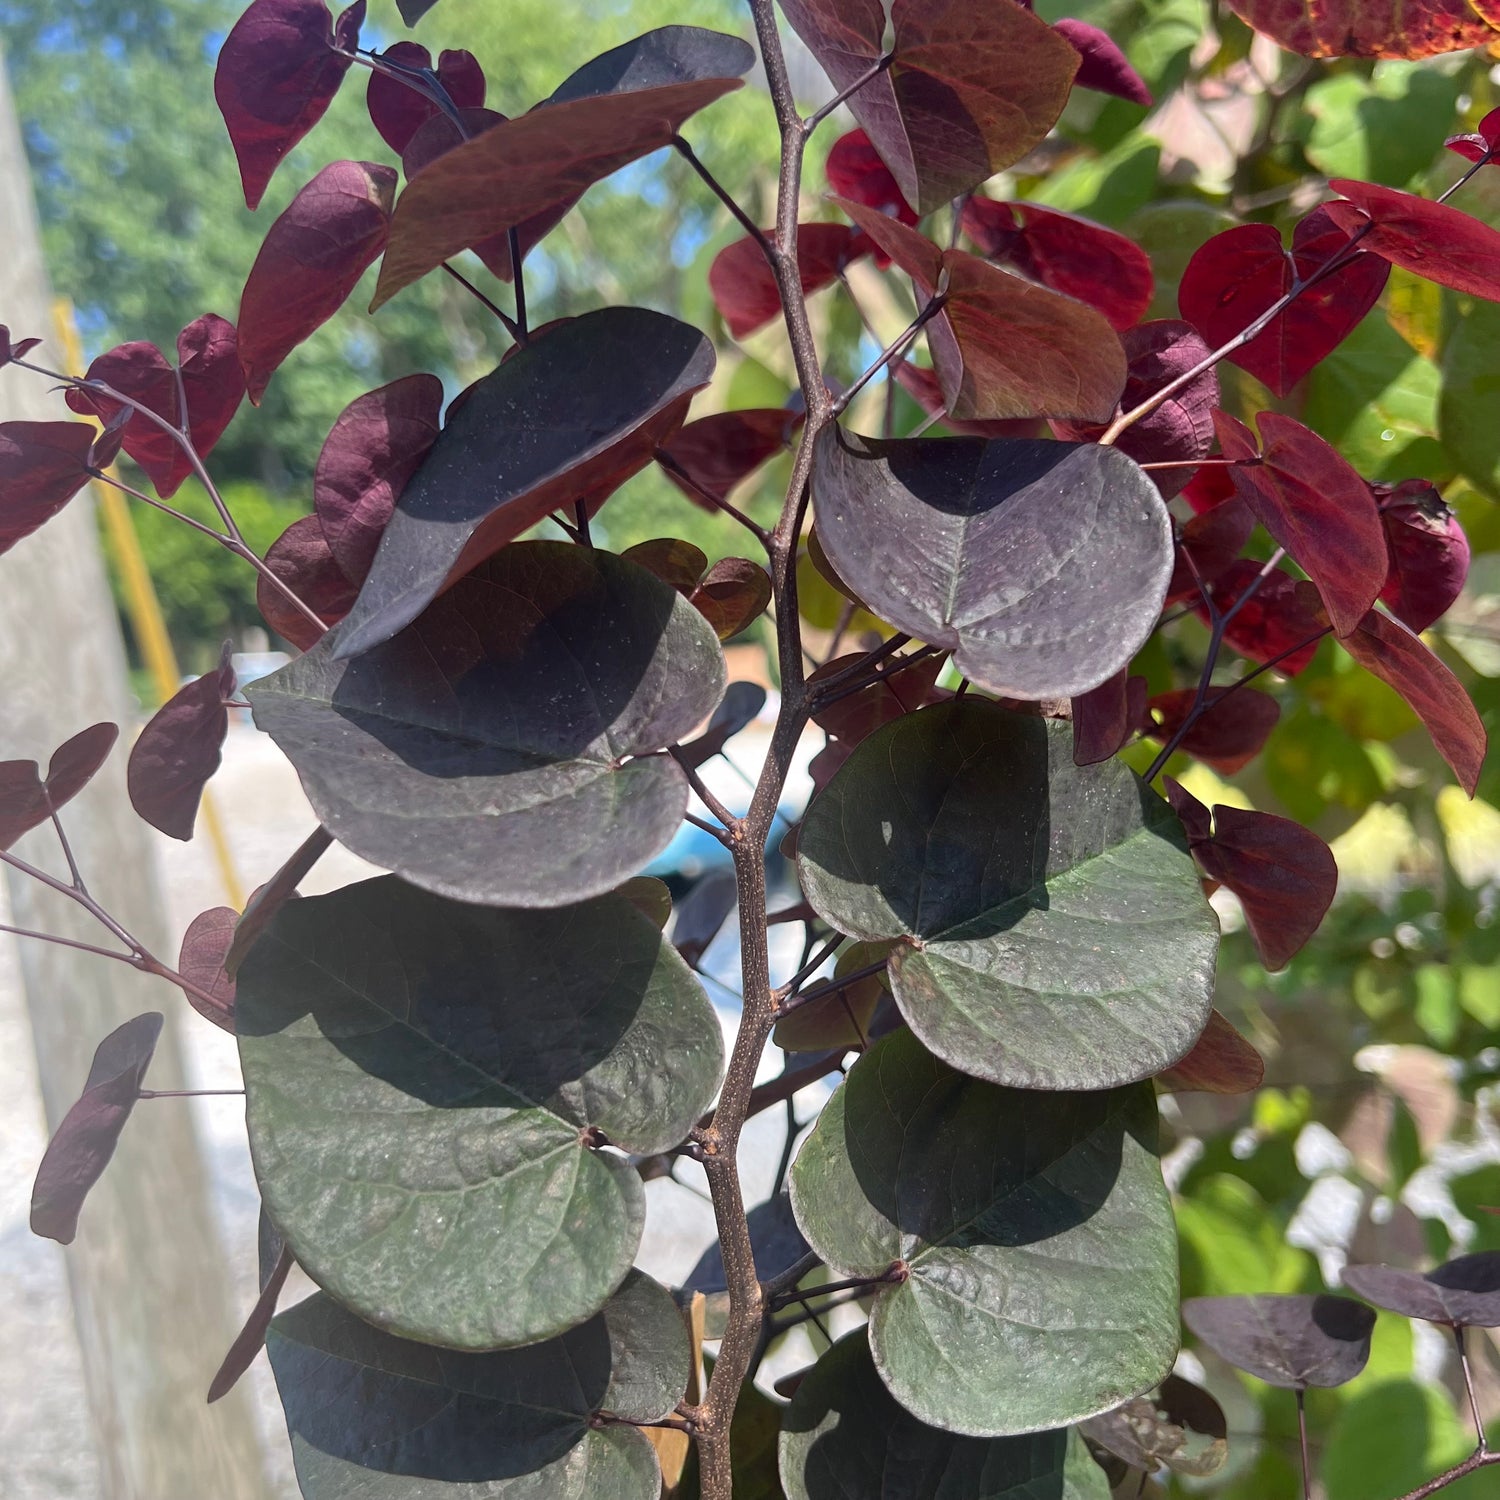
44,1432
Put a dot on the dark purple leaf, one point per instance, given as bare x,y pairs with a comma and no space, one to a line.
208,356
276,75
742,702
1463,1293
1294,1342
27,799
849,719
302,559
1106,718
252,1337
330,234
732,594
139,370
398,111
178,751
377,444
10,351
41,469
1104,68
1210,544
1221,1062
83,1143
700,914
719,452
268,899
201,962
575,412
1429,553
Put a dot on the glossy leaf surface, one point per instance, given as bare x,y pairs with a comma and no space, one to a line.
422,1078
846,1438
1037,1234
531,779
1052,932
382,1418
581,408
1041,565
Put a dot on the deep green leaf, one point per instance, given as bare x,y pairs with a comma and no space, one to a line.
571,416
1053,930
845,1438
375,1417
424,1082
499,749
1041,565
1034,1227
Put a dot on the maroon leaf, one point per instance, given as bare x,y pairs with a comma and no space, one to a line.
276,75
252,1337
1209,487
1196,820
377,444
1181,429
139,370
1430,239
970,89
27,799
851,718
1277,617
42,466
1106,717
719,452
1227,735
677,563
1315,506
10,351
1104,67
732,593
1481,146
1237,275
1429,553
1001,347
316,251
855,171
303,560
398,111
201,963
1397,656
268,899
1221,1062
524,166
744,290
1373,28
208,356
1209,546
1069,254
83,1143
179,750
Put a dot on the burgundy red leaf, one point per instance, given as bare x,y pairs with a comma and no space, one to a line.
83,1143
209,990
1240,274
921,384
1430,239
277,73
10,351
1221,1062
42,466
744,289
1429,553
677,563
1315,505
1481,145
1227,735
212,378
179,750
398,111
719,452
1104,68
252,1337
303,560
28,799
375,446
734,592
1279,617
1068,254
850,718
1210,544
1106,718
315,253
855,171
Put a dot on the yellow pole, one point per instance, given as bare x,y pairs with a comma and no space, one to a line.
144,608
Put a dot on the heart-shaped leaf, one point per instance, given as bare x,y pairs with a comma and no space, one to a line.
277,73
1290,1341
744,287
845,1437
531,779
330,233
302,559
524,166
969,90
27,799
677,563
1315,505
425,1084
1238,275
1041,565
1003,347
374,1415
1039,1251
1051,929
179,750
397,111
1179,1426
83,1143
733,594
578,410
42,466
1463,1293
1373,28
377,444
711,456
1221,1062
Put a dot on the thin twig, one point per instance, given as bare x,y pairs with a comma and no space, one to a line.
871,73
704,792
1302,1441
510,324
717,189
677,471
832,987
894,350
809,967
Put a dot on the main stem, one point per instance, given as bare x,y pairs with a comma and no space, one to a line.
719,1140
